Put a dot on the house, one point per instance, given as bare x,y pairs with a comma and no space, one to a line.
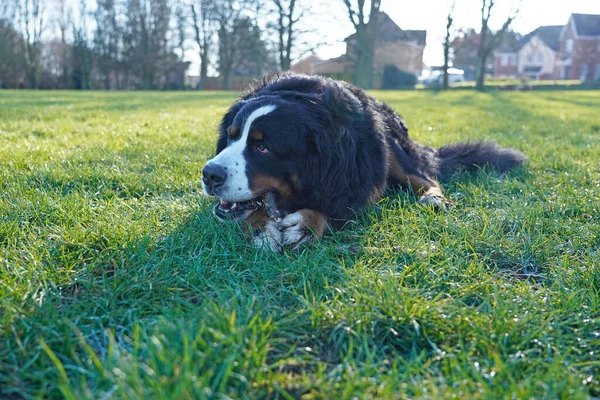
533,56
399,47
580,48
305,65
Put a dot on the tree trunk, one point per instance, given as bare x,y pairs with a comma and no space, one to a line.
480,83
481,56
449,21
446,60
364,55
203,71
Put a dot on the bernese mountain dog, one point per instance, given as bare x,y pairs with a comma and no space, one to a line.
298,154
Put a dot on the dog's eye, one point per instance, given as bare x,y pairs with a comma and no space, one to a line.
261,148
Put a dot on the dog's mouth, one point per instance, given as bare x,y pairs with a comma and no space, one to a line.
235,210
240,210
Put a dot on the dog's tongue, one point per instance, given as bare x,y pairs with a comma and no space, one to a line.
226,205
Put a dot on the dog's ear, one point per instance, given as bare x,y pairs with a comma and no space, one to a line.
329,176
345,163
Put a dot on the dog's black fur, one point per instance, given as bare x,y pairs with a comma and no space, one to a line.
336,148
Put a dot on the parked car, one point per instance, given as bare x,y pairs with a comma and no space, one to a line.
436,78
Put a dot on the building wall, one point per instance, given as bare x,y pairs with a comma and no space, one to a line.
585,51
335,66
506,65
536,53
305,66
407,56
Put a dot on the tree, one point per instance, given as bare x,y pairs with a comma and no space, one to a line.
363,46
148,54
107,38
62,19
237,34
289,14
465,46
449,22
31,18
12,60
486,46
82,56
202,25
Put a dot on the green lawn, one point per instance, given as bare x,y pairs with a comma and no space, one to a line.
116,282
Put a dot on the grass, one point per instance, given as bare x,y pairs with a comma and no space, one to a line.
116,282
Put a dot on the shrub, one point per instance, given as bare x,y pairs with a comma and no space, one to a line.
395,78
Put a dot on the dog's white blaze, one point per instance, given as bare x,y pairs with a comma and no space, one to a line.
237,186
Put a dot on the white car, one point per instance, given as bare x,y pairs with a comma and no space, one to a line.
436,77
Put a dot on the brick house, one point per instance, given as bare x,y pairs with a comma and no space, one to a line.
579,56
533,56
305,65
402,48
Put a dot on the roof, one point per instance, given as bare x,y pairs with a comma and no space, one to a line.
343,57
310,58
587,24
389,31
550,35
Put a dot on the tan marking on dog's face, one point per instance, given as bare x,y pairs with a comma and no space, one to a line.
257,135
234,131
262,183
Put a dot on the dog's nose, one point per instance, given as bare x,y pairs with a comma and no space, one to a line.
213,175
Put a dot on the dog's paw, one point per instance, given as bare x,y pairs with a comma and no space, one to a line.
438,202
295,230
271,238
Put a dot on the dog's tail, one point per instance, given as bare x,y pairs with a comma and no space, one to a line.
473,155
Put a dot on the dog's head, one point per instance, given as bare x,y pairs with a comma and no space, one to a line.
297,146
258,149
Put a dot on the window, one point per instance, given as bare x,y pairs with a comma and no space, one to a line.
530,59
569,46
584,72
504,59
515,60
597,75
540,58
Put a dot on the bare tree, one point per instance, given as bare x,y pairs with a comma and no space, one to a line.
237,34
107,42
487,44
31,18
202,24
363,49
82,57
12,59
288,16
447,42
63,20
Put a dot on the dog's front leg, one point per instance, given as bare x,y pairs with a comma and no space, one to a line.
301,226
264,232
